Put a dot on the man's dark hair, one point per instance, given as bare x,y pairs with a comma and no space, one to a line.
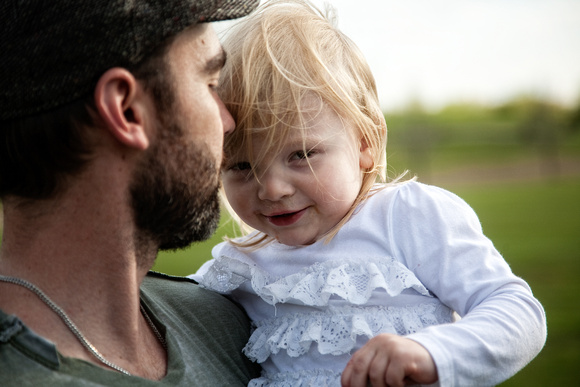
39,153
53,53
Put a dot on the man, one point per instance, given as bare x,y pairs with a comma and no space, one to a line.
110,145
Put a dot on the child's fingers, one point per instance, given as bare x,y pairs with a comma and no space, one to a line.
389,360
355,373
378,369
345,378
395,374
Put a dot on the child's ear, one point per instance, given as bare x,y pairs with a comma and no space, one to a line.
366,156
122,107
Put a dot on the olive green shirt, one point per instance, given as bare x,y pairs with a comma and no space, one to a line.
205,334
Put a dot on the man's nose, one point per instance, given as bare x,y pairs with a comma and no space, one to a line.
227,120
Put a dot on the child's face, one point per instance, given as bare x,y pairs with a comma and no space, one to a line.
296,200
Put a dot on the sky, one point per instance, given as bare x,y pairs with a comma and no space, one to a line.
439,52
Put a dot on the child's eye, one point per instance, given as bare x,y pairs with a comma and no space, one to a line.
301,155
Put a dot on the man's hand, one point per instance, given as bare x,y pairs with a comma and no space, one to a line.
390,360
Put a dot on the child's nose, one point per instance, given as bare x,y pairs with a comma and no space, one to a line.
274,185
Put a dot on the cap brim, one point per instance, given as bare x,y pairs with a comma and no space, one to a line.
228,9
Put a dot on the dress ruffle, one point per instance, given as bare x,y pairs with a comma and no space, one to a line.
318,378
335,330
225,275
353,281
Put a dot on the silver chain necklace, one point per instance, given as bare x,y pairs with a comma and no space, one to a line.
73,328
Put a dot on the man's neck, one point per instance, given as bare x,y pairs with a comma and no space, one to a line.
84,258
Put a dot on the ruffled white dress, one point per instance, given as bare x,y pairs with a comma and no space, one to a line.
388,270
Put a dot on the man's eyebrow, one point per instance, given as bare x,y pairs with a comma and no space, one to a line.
216,63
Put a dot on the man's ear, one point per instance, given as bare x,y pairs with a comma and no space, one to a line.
121,105
366,155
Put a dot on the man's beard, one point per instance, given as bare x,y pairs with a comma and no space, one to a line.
174,192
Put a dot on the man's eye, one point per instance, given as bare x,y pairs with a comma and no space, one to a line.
213,84
241,166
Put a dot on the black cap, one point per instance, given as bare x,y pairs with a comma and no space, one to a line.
52,51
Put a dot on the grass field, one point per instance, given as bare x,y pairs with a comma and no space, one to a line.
536,226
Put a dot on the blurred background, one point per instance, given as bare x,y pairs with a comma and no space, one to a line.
482,97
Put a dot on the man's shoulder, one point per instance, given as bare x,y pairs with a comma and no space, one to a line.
158,281
179,289
185,294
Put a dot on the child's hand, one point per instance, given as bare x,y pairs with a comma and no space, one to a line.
390,360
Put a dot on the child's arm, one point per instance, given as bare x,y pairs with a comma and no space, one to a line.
390,360
439,237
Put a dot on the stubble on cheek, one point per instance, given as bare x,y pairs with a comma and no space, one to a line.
175,194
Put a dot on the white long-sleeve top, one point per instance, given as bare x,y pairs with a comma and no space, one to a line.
409,256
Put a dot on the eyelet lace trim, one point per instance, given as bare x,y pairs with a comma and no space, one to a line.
319,378
351,280
335,330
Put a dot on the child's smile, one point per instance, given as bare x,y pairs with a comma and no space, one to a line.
286,218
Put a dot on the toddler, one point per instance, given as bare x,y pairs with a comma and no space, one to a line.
346,277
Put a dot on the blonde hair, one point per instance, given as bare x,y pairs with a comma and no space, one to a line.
278,58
